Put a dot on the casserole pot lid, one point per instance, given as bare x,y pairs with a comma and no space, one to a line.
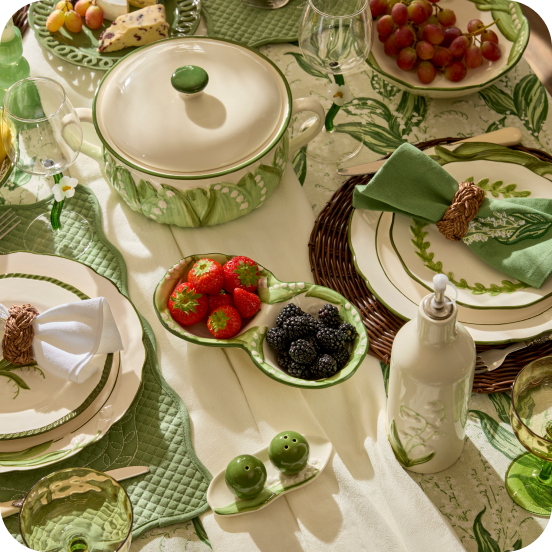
152,111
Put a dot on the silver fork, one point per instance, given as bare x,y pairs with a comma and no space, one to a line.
493,359
8,221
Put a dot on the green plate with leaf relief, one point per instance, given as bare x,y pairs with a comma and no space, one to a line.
81,49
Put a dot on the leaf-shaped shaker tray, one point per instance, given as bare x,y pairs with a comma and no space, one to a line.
224,503
274,295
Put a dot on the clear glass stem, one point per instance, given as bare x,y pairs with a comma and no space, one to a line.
332,112
546,473
57,207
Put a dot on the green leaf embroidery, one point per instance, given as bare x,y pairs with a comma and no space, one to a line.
517,545
498,100
362,106
300,164
531,101
414,110
200,531
383,87
375,137
496,125
485,543
497,188
299,58
501,402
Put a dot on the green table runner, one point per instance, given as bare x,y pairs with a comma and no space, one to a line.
154,432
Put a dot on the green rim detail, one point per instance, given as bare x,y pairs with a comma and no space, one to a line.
270,146
95,392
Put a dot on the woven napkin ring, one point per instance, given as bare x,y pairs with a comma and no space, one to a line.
464,207
19,334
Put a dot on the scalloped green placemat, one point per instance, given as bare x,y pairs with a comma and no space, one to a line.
155,431
233,20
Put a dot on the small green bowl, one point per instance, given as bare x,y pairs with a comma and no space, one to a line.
274,295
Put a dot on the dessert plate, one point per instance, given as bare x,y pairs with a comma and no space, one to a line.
274,295
224,503
67,440
32,401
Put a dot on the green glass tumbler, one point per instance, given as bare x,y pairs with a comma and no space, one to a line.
529,477
77,510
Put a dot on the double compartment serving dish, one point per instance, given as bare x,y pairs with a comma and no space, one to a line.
274,295
195,159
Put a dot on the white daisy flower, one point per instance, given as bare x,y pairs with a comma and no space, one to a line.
65,188
339,95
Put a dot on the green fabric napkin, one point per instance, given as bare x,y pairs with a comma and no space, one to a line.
512,235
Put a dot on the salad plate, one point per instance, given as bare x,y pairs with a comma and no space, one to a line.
224,503
124,378
274,295
183,17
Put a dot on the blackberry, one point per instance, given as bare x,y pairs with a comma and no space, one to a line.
296,327
329,316
311,324
324,367
341,357
297,370
302,352
287,312
277,339
312,339
284,360
349,330
331,340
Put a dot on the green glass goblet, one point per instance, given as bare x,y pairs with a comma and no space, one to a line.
529,477
77,510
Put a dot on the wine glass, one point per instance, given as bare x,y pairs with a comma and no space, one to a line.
42,136
335,38
529,477
77,509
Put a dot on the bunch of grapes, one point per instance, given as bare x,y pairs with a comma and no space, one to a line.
64,14
421,34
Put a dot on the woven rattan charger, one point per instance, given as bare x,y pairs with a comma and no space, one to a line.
332,265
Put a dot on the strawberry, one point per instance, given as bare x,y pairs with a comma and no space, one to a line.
187,306
207,276
247,303
241,272
223,298
224,322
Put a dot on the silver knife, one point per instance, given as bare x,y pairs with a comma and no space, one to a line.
11,508
509,136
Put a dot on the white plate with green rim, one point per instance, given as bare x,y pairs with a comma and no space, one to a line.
108,407
274,295
513,32
33,401
224,503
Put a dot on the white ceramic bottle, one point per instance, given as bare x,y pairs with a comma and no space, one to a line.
430,382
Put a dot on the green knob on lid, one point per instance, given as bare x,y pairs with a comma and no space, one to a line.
289,452
189,79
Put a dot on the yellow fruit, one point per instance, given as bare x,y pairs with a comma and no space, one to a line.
73,21
55,21
4,135
64,6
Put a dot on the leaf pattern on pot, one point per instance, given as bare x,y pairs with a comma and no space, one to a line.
300,164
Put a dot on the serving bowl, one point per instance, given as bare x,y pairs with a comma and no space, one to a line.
274,295
512,29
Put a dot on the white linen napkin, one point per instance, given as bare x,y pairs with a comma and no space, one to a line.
66,338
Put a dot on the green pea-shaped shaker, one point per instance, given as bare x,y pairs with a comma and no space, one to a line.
245,476
289,452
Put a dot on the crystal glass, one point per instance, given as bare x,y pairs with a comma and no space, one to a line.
42,136
335,37
77,510
529,477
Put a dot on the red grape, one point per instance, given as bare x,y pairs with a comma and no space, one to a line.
446,17
385,26
73,22
404,36
390,48
456,71
474,57
459,46
475,25
427,6
407,59
433,20
450,34
399,13
378,7
434,1
382,38
442,57
489,36
417,13
426,72
433,34
425,50
491,51
94,17
81,6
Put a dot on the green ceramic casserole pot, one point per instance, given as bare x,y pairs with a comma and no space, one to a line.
194,129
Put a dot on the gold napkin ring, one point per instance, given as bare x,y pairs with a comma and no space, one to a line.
465,204
19,334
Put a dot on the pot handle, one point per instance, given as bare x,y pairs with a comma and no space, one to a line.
85,116
306,104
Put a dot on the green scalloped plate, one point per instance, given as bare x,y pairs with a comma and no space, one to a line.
274,295
81,49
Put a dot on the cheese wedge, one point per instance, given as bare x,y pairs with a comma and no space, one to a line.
113,8
142,3
135,29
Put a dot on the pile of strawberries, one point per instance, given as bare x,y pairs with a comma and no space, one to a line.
226,293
